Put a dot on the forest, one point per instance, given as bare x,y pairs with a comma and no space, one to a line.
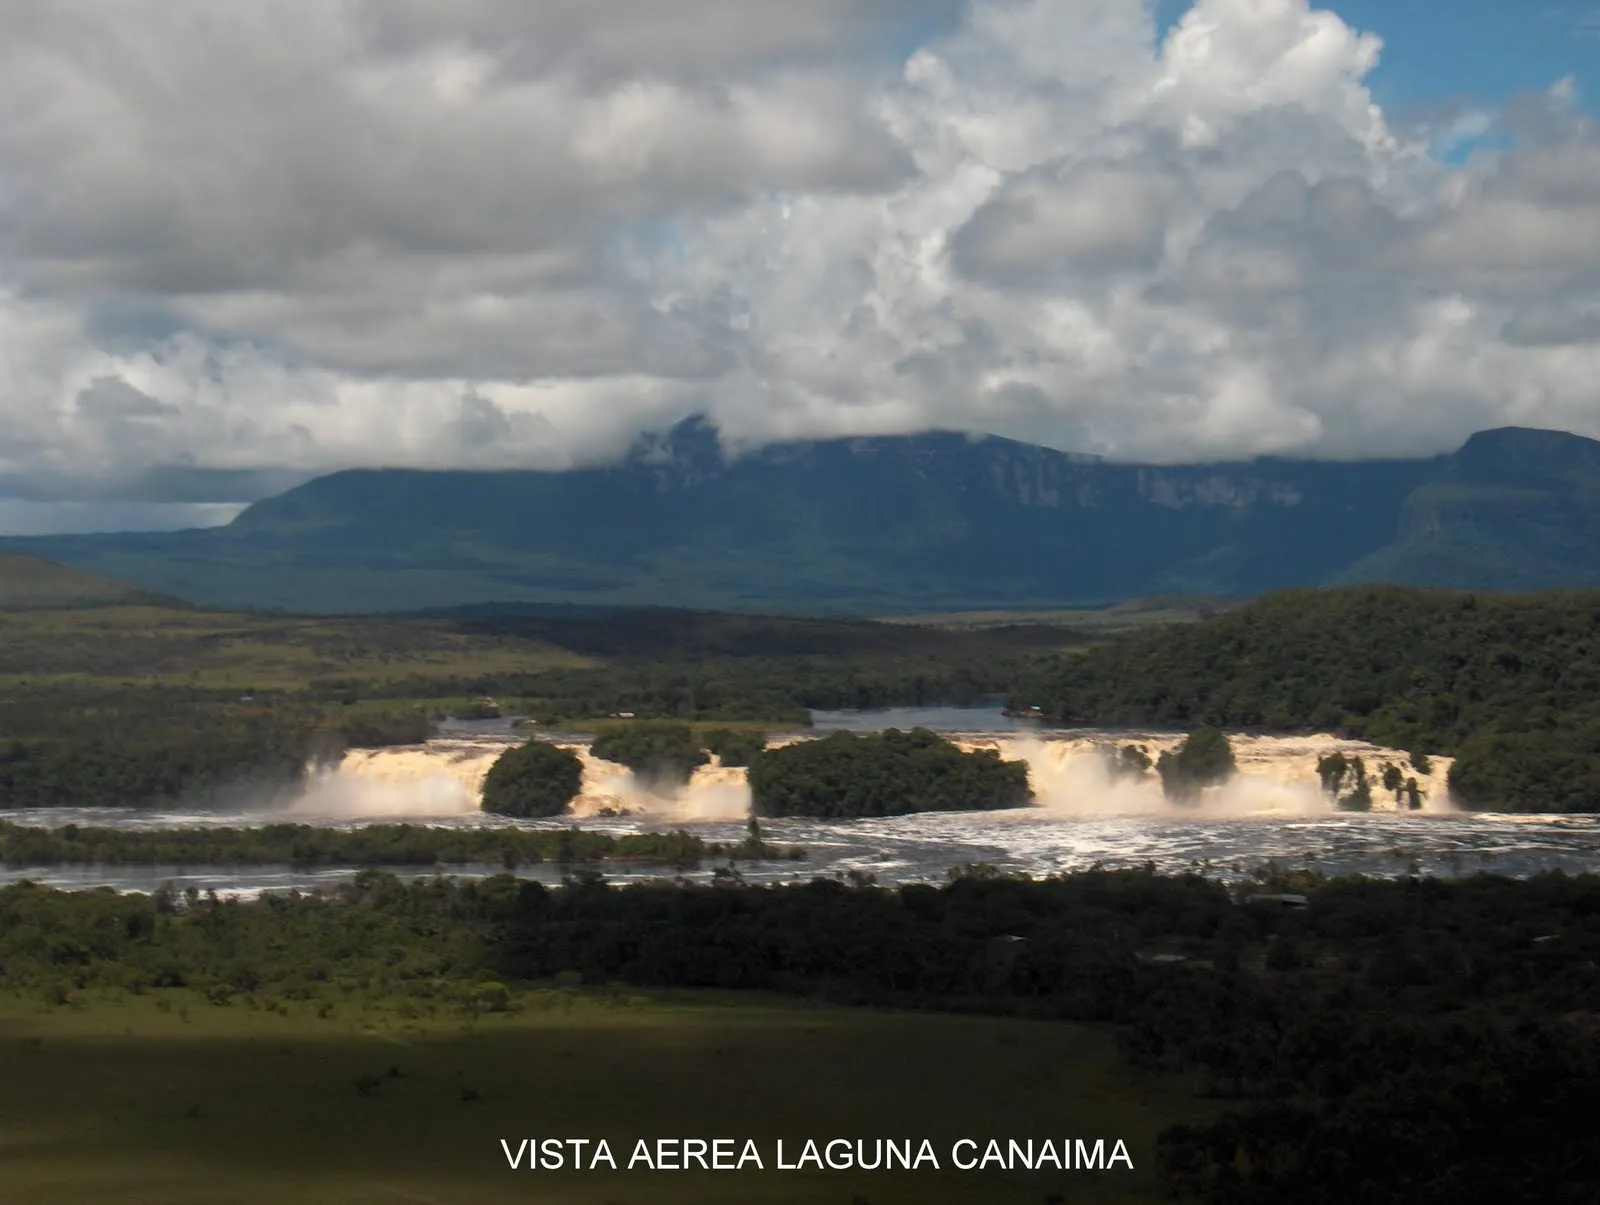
209,704
1507,684
1392,1042
890,773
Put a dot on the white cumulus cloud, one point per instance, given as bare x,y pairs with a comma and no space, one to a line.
301,236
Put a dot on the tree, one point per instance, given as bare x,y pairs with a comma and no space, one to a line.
1204,759
535,779
1394,781
1131,761
1331,769
1359,798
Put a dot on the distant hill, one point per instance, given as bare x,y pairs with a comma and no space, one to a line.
26,582
1514,509
884,525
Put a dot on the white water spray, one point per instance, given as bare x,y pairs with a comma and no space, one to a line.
1276,775
1071,776
442,778
713,792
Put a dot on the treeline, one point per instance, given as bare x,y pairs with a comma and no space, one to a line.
394,845
883,774
776,690
1510,685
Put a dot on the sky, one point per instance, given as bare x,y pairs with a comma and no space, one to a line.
245,244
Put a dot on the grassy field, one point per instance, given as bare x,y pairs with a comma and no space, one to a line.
1098,623
165,1100
58,626
214,648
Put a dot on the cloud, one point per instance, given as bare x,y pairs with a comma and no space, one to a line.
1085,218
294,237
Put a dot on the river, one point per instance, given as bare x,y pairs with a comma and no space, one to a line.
1272,813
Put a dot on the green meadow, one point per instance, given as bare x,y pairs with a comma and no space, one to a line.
166,1099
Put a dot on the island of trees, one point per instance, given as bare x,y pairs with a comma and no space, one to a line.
1509,685
883,774
534,779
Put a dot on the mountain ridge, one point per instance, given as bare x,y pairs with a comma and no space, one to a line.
880,524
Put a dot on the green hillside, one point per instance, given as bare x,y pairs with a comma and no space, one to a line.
28,582
1515,509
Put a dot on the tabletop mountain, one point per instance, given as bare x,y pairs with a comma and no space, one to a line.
880,525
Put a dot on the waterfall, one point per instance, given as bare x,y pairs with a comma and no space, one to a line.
1071,775
1276,774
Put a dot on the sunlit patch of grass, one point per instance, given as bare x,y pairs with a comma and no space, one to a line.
129,1102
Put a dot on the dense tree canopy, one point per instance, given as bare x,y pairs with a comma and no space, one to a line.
85,748
735,746
883,774
658,752
96,745
533,779
1509,684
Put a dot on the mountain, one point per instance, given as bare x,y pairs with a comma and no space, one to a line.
882,525
1514,508
28,583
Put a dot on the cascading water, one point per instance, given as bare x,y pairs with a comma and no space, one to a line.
1276,775
713,792
441,778
1071,776
1274,810
444,779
